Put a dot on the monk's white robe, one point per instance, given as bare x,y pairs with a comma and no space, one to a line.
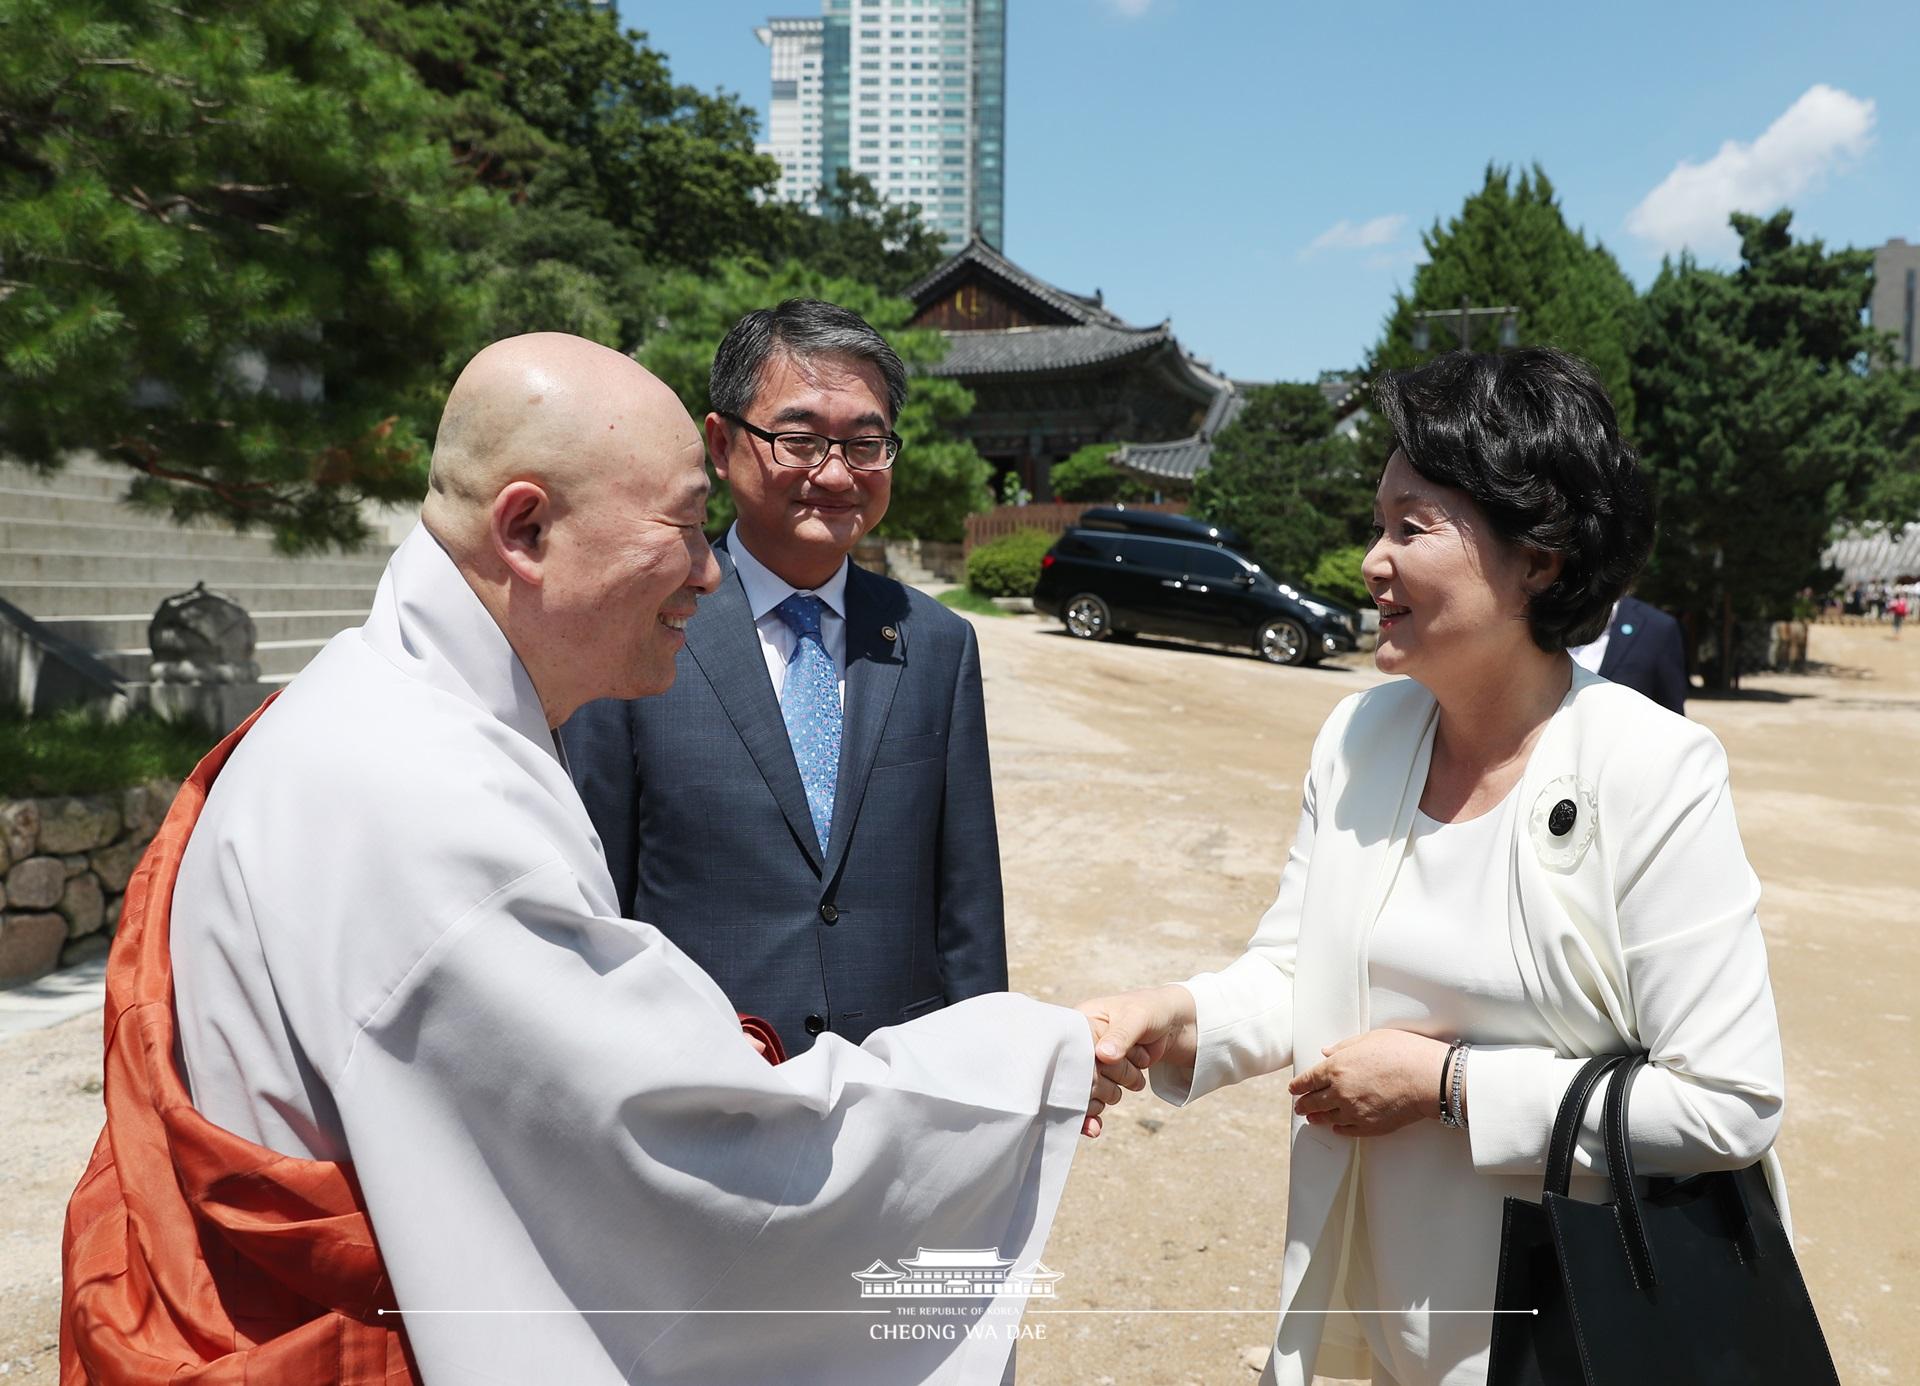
395,942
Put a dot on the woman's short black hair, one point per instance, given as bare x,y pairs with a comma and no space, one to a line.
1531,435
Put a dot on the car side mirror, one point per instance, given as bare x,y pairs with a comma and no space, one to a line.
1244,579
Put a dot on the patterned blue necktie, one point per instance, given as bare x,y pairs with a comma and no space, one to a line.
810,703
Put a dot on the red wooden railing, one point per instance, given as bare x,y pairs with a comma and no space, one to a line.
1054,518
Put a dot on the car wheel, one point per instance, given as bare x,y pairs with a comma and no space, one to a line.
1282,642
1087,617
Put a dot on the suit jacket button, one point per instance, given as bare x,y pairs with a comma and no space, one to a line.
1560,821
814,1024
829,913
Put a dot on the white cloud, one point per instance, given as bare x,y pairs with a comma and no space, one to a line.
1406,257
1822,131
1348,235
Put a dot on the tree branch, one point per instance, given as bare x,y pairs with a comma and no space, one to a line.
245,497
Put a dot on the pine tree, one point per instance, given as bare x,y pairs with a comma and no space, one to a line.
1284,479
616,172
226,256
1761,427
1510,245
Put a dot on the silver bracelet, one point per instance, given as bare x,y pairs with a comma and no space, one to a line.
1456,1112
1447,1070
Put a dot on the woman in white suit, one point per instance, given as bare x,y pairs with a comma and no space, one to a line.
1504,865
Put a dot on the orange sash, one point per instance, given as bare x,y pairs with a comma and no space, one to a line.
190,1254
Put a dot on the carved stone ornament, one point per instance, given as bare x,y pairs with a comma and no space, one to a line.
202,637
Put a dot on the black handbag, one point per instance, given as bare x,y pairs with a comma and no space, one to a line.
1692,1282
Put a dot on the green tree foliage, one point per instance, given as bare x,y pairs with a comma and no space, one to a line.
227,256
612,167
1337,574
938,479
1510,244
1761,428
1089,475
1010,565
859,235
1283,478
616,171
551,101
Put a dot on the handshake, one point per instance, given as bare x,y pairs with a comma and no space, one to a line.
1369,1084
1132,1031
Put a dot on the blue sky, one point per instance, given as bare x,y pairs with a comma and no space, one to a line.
1259,171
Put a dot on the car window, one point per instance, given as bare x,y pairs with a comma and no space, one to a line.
1211,564
1145,553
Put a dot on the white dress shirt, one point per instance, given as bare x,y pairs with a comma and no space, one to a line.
1589,656
1440,964
766,590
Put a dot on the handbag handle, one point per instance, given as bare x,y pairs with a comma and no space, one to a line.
1626,1203
1566,1125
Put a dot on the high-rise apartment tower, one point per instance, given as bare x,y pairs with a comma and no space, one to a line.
912,93
1895,304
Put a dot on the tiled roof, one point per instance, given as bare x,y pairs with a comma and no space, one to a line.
1341,395
1023,350
1184,458
1883,556
1076,308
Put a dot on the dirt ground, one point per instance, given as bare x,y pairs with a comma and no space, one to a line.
1147,794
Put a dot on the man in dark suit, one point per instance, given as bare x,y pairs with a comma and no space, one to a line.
1643,648
809,811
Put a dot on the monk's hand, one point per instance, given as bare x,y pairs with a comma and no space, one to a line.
1372,1084
1132,1031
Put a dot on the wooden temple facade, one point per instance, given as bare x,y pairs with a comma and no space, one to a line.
1052,371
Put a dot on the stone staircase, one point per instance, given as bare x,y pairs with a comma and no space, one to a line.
91,568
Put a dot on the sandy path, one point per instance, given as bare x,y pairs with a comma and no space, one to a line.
1147,795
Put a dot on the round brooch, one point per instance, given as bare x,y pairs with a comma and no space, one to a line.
1563,821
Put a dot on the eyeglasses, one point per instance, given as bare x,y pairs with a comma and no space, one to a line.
872,453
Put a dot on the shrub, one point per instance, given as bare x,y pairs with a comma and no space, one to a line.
1088,475
1337,574
1010,565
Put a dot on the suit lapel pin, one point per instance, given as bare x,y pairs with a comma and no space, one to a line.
889,633
1627,629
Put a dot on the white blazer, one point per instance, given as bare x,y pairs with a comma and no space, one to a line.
1636,930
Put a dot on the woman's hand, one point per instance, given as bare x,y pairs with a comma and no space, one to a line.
1372,1084
1132,1031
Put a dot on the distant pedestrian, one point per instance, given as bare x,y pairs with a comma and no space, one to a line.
1897,608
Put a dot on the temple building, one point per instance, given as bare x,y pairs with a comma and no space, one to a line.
1052,371
1170,468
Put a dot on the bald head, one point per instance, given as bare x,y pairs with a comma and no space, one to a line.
557,410
570,488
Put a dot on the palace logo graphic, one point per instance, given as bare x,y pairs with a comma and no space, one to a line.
936,1273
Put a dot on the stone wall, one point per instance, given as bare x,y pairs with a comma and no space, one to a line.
64,863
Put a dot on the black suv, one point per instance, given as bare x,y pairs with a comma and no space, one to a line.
1121,572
